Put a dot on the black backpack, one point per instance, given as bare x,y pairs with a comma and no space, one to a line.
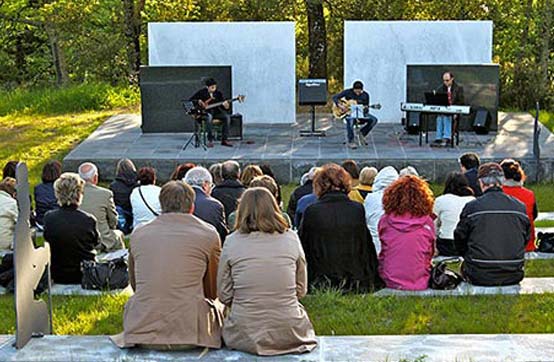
546,242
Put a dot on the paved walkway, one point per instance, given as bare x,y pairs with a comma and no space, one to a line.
420,348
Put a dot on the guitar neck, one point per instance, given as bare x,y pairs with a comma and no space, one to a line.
231,100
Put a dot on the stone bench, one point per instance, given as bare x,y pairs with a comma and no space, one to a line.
533,255
527,286
428,348
75,289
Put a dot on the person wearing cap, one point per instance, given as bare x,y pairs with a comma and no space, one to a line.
210,95
361,97
492,233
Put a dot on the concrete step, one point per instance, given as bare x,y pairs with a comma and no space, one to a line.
527,286
549,215
427,348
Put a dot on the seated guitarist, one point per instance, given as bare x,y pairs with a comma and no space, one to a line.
361,97
205,97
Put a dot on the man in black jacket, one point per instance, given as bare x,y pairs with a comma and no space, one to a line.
210,95
492,233
206,207
230,190
469,163
304,189
445,122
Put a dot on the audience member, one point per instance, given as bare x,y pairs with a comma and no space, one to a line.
9,169
469,163
492,233
408,170
249,173
230,190
206,207
145,200
124,183
448,207
365,185
513,186
71,232
99,202
334,236
303,204
353,170
373,203
262,276
173,264
8,212
268,183
215,170
266,169
180,171
407,234
305,188
45,198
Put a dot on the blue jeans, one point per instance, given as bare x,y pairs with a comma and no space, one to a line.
368,122
444,127
225,124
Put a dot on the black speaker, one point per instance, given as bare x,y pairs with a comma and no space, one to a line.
235,129
481,121
312,92
413,123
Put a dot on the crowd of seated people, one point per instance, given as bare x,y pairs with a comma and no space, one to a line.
226,241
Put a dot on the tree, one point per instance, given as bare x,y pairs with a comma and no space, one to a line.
317,39
132,15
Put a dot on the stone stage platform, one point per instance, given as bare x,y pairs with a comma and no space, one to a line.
291,155
423,348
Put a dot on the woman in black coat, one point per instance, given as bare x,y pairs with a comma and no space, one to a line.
124,183
45,199
335,238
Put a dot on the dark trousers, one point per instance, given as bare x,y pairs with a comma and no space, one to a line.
225,123
447,247
367,123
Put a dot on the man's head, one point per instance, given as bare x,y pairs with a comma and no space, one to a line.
358,87
468,161
490,174
177,197
89,172
447,78
230,170
199,177
211,84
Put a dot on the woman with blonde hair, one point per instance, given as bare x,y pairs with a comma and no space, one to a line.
365,185
407,234
262,275
249,173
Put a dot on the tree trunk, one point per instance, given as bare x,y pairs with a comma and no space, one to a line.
58,59
317,39
132,18
545,52
519,76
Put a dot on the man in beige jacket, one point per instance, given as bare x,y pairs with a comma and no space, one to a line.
99,202
173,263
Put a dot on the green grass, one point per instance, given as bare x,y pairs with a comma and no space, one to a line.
546,118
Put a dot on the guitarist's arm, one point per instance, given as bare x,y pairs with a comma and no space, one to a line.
337,97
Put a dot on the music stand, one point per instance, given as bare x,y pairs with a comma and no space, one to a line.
190,108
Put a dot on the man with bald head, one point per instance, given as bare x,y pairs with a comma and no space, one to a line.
99,202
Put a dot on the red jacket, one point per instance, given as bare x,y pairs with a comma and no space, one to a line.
528,198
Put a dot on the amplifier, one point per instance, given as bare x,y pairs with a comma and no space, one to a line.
413,123
312,92
235,129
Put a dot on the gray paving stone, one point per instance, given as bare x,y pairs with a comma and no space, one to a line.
428,348
120,136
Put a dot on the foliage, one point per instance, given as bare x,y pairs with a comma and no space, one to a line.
93,41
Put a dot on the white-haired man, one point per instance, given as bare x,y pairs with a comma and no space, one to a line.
99,202
206,207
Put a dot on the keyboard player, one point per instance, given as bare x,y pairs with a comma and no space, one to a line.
455,94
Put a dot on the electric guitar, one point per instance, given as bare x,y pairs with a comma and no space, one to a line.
196,110
341,113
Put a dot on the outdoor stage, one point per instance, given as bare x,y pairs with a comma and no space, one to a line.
291,155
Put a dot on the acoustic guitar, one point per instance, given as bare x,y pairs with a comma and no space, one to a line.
340,113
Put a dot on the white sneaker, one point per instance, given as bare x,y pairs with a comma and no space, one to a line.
352,145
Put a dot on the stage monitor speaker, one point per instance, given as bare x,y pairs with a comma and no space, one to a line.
312,92
481,121
413,123
235,130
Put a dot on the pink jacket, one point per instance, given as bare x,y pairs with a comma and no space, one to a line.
407,246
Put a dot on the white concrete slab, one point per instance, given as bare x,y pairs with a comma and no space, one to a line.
261,54
545,216
377,52
427,348
527,286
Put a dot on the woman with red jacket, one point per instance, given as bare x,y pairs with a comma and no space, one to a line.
513,186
